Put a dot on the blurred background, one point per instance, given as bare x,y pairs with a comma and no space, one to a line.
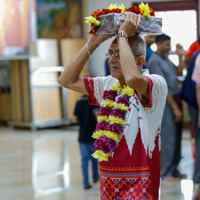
39,153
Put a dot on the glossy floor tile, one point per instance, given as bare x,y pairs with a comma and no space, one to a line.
45,165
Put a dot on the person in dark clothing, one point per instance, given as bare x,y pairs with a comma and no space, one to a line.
159,63
149,40
107,68
190,87
85,115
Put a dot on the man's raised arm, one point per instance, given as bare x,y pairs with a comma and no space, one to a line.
70,78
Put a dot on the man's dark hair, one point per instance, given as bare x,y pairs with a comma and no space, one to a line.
161,38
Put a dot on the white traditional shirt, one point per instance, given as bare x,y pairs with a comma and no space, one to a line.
133,169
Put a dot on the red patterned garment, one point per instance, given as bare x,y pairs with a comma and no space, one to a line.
133,169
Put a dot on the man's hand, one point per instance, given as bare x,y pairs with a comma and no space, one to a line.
179,49
197,194
96,39
177,114
131,24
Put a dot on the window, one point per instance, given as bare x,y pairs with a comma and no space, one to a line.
181,26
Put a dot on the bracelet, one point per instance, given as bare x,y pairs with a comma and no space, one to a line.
122,34
88,50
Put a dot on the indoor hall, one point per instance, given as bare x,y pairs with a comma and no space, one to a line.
40,155
45,164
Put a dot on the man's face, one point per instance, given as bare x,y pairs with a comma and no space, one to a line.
165,46
114,62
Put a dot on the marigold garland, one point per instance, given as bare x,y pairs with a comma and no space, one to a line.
94,19
111,119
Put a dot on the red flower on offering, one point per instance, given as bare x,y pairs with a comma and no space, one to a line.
152,13
134,9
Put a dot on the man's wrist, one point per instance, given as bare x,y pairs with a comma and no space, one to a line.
122,34
91,46
88,50
175,107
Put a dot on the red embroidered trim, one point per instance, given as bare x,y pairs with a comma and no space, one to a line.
150,104
89,85
119,184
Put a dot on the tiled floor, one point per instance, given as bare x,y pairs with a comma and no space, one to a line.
45,165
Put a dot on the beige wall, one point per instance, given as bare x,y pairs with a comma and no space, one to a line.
69,47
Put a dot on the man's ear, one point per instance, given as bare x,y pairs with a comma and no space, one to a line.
140,61
158,44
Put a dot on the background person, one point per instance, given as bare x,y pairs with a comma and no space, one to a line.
196,79
107,68
189,95
171,128
85,114
149,40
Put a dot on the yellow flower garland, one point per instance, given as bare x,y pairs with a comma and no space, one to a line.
98,134
120,106
100,155
111,119
116,120
103,118
113,136
108,103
